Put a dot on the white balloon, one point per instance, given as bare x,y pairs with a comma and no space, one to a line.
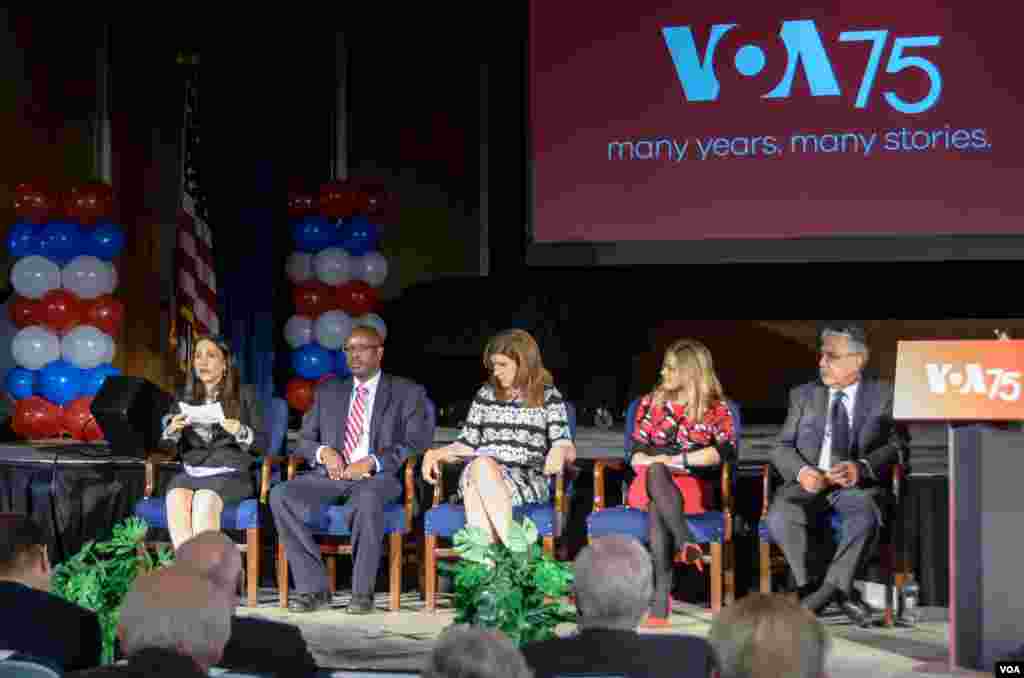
35,346
88,277
34,276
300,267
333,266
372,267
375,321
332,329
298,331
86,347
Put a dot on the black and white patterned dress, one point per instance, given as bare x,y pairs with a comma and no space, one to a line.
518,437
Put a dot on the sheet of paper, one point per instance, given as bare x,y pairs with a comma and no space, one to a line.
203,414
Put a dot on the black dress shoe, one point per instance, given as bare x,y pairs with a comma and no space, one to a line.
308,602
818,600
856,609
360,605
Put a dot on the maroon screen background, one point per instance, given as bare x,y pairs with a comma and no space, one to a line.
601,72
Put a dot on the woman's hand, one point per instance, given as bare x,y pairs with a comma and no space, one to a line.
558,457
432,463
232,426
177,423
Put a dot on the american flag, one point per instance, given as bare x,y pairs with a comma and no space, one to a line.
196,283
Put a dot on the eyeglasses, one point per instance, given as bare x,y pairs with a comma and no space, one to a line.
349,350
834,357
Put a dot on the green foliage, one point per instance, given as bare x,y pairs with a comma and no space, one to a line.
517,588
99,575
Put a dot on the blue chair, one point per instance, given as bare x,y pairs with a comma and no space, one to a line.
712,528
444,519
330,526
243,516
895,564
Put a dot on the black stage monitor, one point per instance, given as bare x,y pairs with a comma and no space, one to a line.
128,410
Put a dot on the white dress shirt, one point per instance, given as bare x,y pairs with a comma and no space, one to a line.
825,462
362,448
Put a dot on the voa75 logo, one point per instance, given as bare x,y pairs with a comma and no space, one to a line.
973,378
804,47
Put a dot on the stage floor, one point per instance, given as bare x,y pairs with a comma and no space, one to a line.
400,641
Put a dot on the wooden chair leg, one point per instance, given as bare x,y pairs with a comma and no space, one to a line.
421,569
716,577
430,571
252,564
729,575
332,573
549,546
765,552
395,576
282,576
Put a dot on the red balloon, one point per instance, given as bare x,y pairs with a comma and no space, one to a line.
299,393
312,298
105,312
356,298
301,204
25,312
61,310
338,199
78,420
36,418
33,204
89,202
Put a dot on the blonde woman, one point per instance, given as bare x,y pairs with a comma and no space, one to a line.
683,424
517,432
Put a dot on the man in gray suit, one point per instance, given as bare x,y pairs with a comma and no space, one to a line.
833,450
355,437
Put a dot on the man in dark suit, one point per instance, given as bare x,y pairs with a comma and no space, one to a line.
355,436
838,439
613,584
37,622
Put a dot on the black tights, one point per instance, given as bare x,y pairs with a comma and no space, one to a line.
667,531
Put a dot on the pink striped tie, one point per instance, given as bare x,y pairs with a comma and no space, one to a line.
354,430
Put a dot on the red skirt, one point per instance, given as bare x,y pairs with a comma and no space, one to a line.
698,494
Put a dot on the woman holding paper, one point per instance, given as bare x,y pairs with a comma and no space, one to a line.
683,432
211,429
517,432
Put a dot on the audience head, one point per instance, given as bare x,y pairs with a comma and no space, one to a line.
213,555
176,609
613,583
512,358
23,552
688,375
364,350
768,636
843,354
214,374
472,652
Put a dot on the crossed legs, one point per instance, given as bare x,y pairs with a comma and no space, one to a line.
488,502
191,512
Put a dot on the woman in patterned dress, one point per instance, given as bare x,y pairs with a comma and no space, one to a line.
517,432
684,423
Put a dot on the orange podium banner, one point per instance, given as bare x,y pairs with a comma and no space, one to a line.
959,381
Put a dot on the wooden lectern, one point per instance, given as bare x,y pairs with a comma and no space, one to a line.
965,384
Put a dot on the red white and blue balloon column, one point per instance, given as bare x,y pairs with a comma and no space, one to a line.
335,270
64,279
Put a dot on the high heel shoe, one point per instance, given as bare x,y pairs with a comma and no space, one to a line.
693,554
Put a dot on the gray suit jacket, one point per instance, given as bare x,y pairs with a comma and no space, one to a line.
877,440
400,425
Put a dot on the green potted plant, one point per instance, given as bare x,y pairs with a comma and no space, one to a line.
515,588
99,575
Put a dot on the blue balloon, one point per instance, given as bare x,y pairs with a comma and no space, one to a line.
23,240
312,234
341,369
105,241
92,379
60,382
61,241
312,361
359,236
20,382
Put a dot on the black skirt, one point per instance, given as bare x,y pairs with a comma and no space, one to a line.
231,487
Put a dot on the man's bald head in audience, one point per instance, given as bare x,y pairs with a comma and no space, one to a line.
177,609
212,555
